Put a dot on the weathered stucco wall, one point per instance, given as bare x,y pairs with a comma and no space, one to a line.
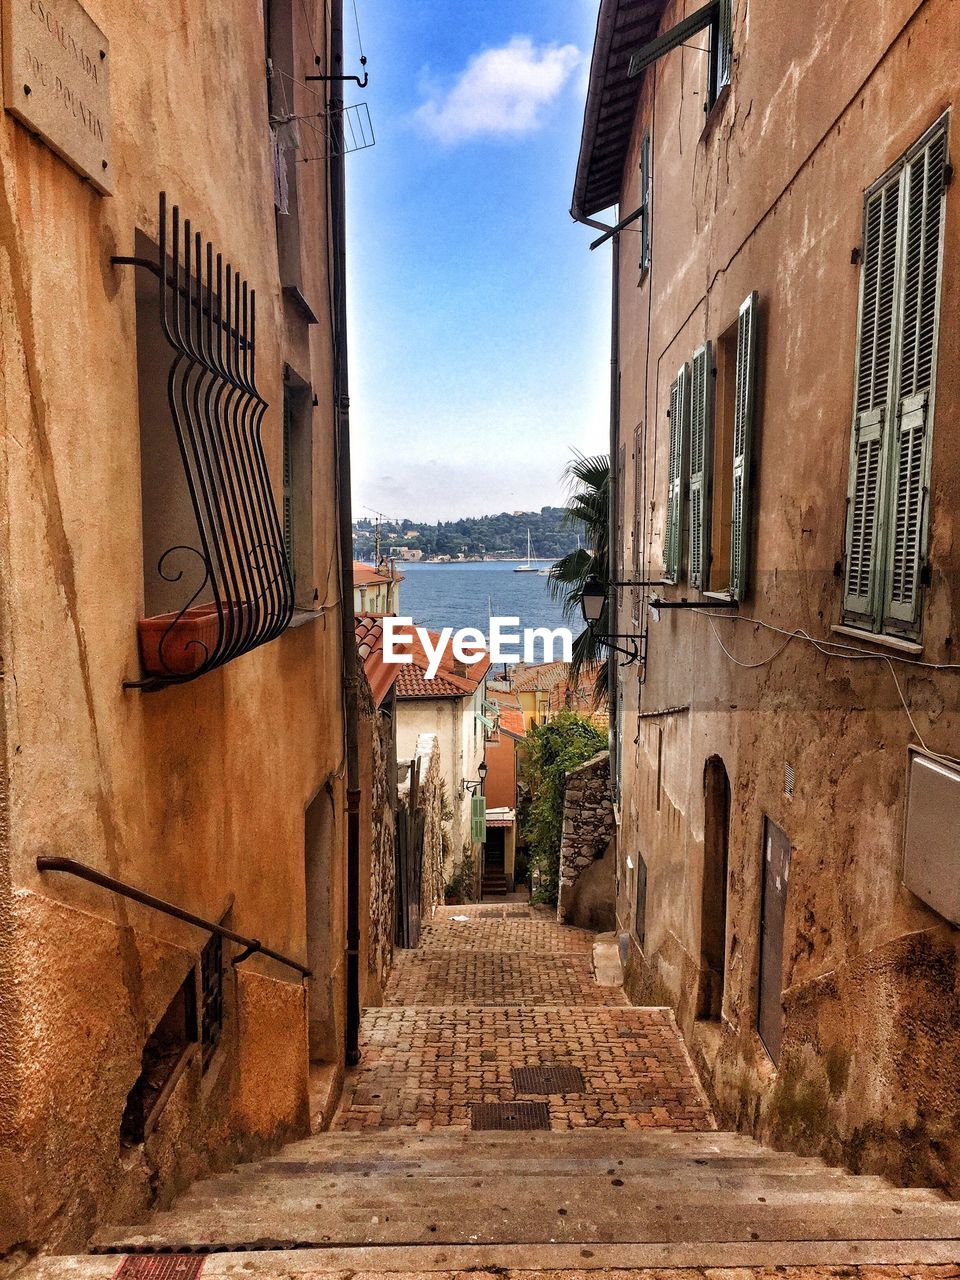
195,793
587,875
767,195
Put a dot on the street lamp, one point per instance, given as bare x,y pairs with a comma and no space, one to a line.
592,599
473,786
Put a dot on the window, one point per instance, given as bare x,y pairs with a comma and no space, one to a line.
721,417
676,470
646,202
281,85
298,487
889,479
701,445
640,899
164,1058
211,996
721,51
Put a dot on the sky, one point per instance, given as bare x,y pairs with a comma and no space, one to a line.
479,319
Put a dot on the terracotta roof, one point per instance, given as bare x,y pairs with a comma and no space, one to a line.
511,717
623,27
366,575
368,628
539,676
453,679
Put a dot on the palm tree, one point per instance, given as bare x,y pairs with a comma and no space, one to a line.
588,508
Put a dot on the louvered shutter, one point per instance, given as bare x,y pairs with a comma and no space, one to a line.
725,48
868,452
743,415
701,462
478,819
923,204
679,410
646,202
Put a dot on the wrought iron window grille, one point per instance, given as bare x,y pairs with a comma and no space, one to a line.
245,593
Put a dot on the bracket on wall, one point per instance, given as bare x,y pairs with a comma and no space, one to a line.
340,79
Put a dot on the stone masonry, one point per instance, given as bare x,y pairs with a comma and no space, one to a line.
588,828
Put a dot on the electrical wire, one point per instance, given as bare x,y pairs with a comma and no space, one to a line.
356,20
835,649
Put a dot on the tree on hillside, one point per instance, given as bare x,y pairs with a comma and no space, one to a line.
551,750
589,511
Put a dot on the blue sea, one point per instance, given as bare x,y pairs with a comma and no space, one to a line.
467,595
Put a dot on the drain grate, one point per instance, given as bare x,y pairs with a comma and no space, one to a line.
518,913
509,1115
548,1079
169,1266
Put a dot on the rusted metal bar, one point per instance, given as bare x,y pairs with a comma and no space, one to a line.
252,946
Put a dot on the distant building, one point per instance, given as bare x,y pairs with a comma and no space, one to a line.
500,792
376,589
547,687
453,707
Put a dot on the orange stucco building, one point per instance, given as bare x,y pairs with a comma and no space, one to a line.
786,269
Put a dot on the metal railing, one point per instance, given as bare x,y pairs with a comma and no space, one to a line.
252,946
242,595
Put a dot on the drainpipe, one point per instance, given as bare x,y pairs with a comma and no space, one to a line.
614,236
616,478
348,645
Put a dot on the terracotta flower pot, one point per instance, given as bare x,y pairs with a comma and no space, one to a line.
178,646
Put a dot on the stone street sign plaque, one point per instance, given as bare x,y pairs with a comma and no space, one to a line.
56,81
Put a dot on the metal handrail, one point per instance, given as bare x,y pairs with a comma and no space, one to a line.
252,946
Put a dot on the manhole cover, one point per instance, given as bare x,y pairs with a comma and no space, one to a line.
548,1079
509,1115
169,1266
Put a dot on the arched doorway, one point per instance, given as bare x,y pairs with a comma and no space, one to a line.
713,902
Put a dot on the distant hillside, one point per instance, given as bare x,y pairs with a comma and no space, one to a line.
504,536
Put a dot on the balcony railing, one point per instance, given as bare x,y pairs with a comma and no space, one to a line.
245,593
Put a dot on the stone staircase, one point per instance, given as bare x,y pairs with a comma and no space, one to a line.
588,1199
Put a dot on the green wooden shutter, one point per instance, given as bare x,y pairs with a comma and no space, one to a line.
868,448
725,48
743,415
701,463
679,414
478,819
646,202
923,206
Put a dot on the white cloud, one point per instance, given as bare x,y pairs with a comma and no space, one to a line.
501,92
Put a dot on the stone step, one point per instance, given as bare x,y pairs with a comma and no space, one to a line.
513,1262
463,1193
464,1144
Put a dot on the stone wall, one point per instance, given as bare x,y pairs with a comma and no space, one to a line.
587,876
383,861
430,805
378,787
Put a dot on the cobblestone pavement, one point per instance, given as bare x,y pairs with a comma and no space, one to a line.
423,1068
527,937
484,995
496,978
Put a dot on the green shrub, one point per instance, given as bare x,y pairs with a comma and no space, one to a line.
550,751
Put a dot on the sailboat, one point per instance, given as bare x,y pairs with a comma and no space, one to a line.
527,566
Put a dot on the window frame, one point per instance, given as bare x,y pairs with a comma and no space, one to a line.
876,618
646,204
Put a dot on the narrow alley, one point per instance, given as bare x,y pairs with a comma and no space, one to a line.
497,1023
